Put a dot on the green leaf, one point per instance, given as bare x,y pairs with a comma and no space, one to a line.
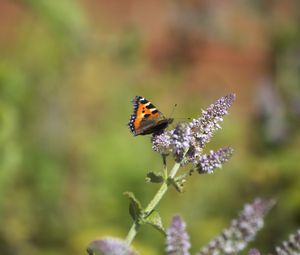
177,184
154,177
155,221
135,207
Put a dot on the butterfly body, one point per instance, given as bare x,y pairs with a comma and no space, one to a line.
146,119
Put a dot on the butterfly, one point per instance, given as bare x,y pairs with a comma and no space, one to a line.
146,119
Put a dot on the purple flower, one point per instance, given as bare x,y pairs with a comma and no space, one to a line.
208,162
254,252
110,246
241,231
177,241
290,247
180,140
208,123
161,143
187,140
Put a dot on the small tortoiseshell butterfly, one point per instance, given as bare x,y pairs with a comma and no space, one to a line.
146,119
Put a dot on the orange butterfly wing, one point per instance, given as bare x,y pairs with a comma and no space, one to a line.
146,119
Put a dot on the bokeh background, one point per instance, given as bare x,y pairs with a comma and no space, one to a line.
68,72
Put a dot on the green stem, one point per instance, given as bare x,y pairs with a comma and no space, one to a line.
165,172
132,232
153,203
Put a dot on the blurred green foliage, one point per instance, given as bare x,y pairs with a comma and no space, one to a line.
66,81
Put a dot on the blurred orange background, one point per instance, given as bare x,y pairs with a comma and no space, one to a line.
68,71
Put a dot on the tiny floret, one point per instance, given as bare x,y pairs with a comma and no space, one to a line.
161,143
241,231
186,141
208,162
290,247
177,241
110,246
180,140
